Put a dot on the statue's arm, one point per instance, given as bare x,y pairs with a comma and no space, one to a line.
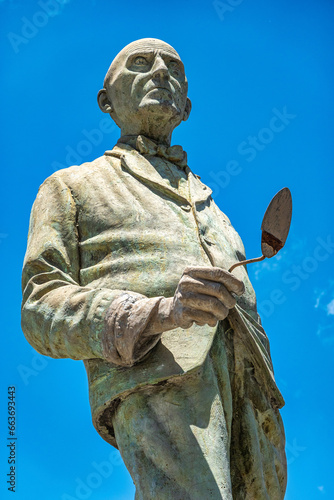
61,318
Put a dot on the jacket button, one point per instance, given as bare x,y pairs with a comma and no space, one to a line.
186,208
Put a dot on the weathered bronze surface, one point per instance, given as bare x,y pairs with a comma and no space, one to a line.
126,269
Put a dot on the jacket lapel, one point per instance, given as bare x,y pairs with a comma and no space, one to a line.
199,192
140,167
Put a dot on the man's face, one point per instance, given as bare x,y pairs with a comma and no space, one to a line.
147,77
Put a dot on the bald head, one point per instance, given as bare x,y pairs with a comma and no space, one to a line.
145,90
143,44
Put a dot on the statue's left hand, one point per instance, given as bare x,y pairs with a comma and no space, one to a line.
204,295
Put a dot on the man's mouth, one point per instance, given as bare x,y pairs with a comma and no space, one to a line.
159,88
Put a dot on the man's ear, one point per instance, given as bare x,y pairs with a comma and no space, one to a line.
187,110
103,101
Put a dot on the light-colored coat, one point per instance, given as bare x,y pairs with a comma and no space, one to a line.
116,225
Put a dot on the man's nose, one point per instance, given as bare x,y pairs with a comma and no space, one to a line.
159,68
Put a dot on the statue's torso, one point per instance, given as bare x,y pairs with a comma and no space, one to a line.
137,234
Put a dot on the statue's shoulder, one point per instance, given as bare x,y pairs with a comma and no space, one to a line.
86,169
79,175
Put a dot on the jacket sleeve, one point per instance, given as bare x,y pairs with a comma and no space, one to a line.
60,318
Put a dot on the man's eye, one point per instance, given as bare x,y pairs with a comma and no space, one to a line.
173,66
140,61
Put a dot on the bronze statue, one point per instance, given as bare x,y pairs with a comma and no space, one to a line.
127,269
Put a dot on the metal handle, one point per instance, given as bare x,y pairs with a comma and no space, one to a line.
249,261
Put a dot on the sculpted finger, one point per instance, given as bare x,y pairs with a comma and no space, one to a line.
232,283
206,287
184,320
205,303
201,318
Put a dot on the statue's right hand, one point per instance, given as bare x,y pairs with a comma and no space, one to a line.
204,296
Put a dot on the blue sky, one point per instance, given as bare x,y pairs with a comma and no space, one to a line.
261,82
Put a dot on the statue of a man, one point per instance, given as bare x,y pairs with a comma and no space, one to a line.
126,269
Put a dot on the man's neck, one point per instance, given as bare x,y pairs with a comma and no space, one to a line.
159,132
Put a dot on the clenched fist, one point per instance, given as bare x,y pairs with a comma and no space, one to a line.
204,296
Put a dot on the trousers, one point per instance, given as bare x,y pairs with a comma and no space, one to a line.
207,435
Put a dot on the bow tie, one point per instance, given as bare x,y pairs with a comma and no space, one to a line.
174,154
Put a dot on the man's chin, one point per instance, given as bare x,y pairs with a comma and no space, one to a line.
160,106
